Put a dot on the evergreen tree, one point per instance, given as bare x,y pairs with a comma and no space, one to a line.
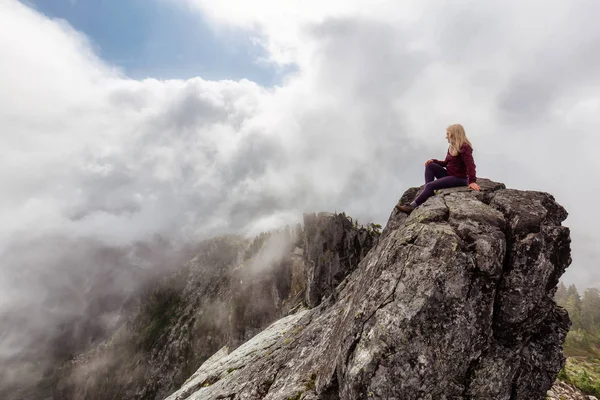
561,294
572,293
573,306
590,310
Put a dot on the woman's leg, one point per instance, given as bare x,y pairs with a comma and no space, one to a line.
434,170
442,183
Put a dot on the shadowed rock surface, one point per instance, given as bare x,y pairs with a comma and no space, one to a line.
453,302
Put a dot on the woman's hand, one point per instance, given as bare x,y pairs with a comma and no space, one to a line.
474,186
428,162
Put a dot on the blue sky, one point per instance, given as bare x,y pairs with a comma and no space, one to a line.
160,39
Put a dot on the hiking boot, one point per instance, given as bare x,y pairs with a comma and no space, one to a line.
406,208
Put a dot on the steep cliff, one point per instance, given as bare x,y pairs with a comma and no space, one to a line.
228,293
453,302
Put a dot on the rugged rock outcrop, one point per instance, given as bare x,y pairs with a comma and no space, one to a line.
225,295
291,269
334,247
454,302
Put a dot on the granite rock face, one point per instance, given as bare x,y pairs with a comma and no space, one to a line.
453,302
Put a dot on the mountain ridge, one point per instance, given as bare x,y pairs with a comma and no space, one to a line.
452,301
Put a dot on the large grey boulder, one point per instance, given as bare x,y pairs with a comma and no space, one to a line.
454,302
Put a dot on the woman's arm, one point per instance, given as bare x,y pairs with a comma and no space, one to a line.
439,162
467,156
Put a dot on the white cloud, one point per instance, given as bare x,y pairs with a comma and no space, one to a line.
86,152
521,76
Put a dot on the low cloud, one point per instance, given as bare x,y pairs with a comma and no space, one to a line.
88,155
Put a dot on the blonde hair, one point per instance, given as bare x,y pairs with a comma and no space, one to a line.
458,137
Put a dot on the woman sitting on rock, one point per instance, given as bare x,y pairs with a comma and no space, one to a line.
458,169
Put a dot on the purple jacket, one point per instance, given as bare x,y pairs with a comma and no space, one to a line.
462,165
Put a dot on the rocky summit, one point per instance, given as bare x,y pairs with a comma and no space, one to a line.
454,301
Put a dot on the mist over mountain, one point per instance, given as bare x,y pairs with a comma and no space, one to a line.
112,177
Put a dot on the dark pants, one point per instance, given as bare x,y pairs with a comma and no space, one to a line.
436,178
